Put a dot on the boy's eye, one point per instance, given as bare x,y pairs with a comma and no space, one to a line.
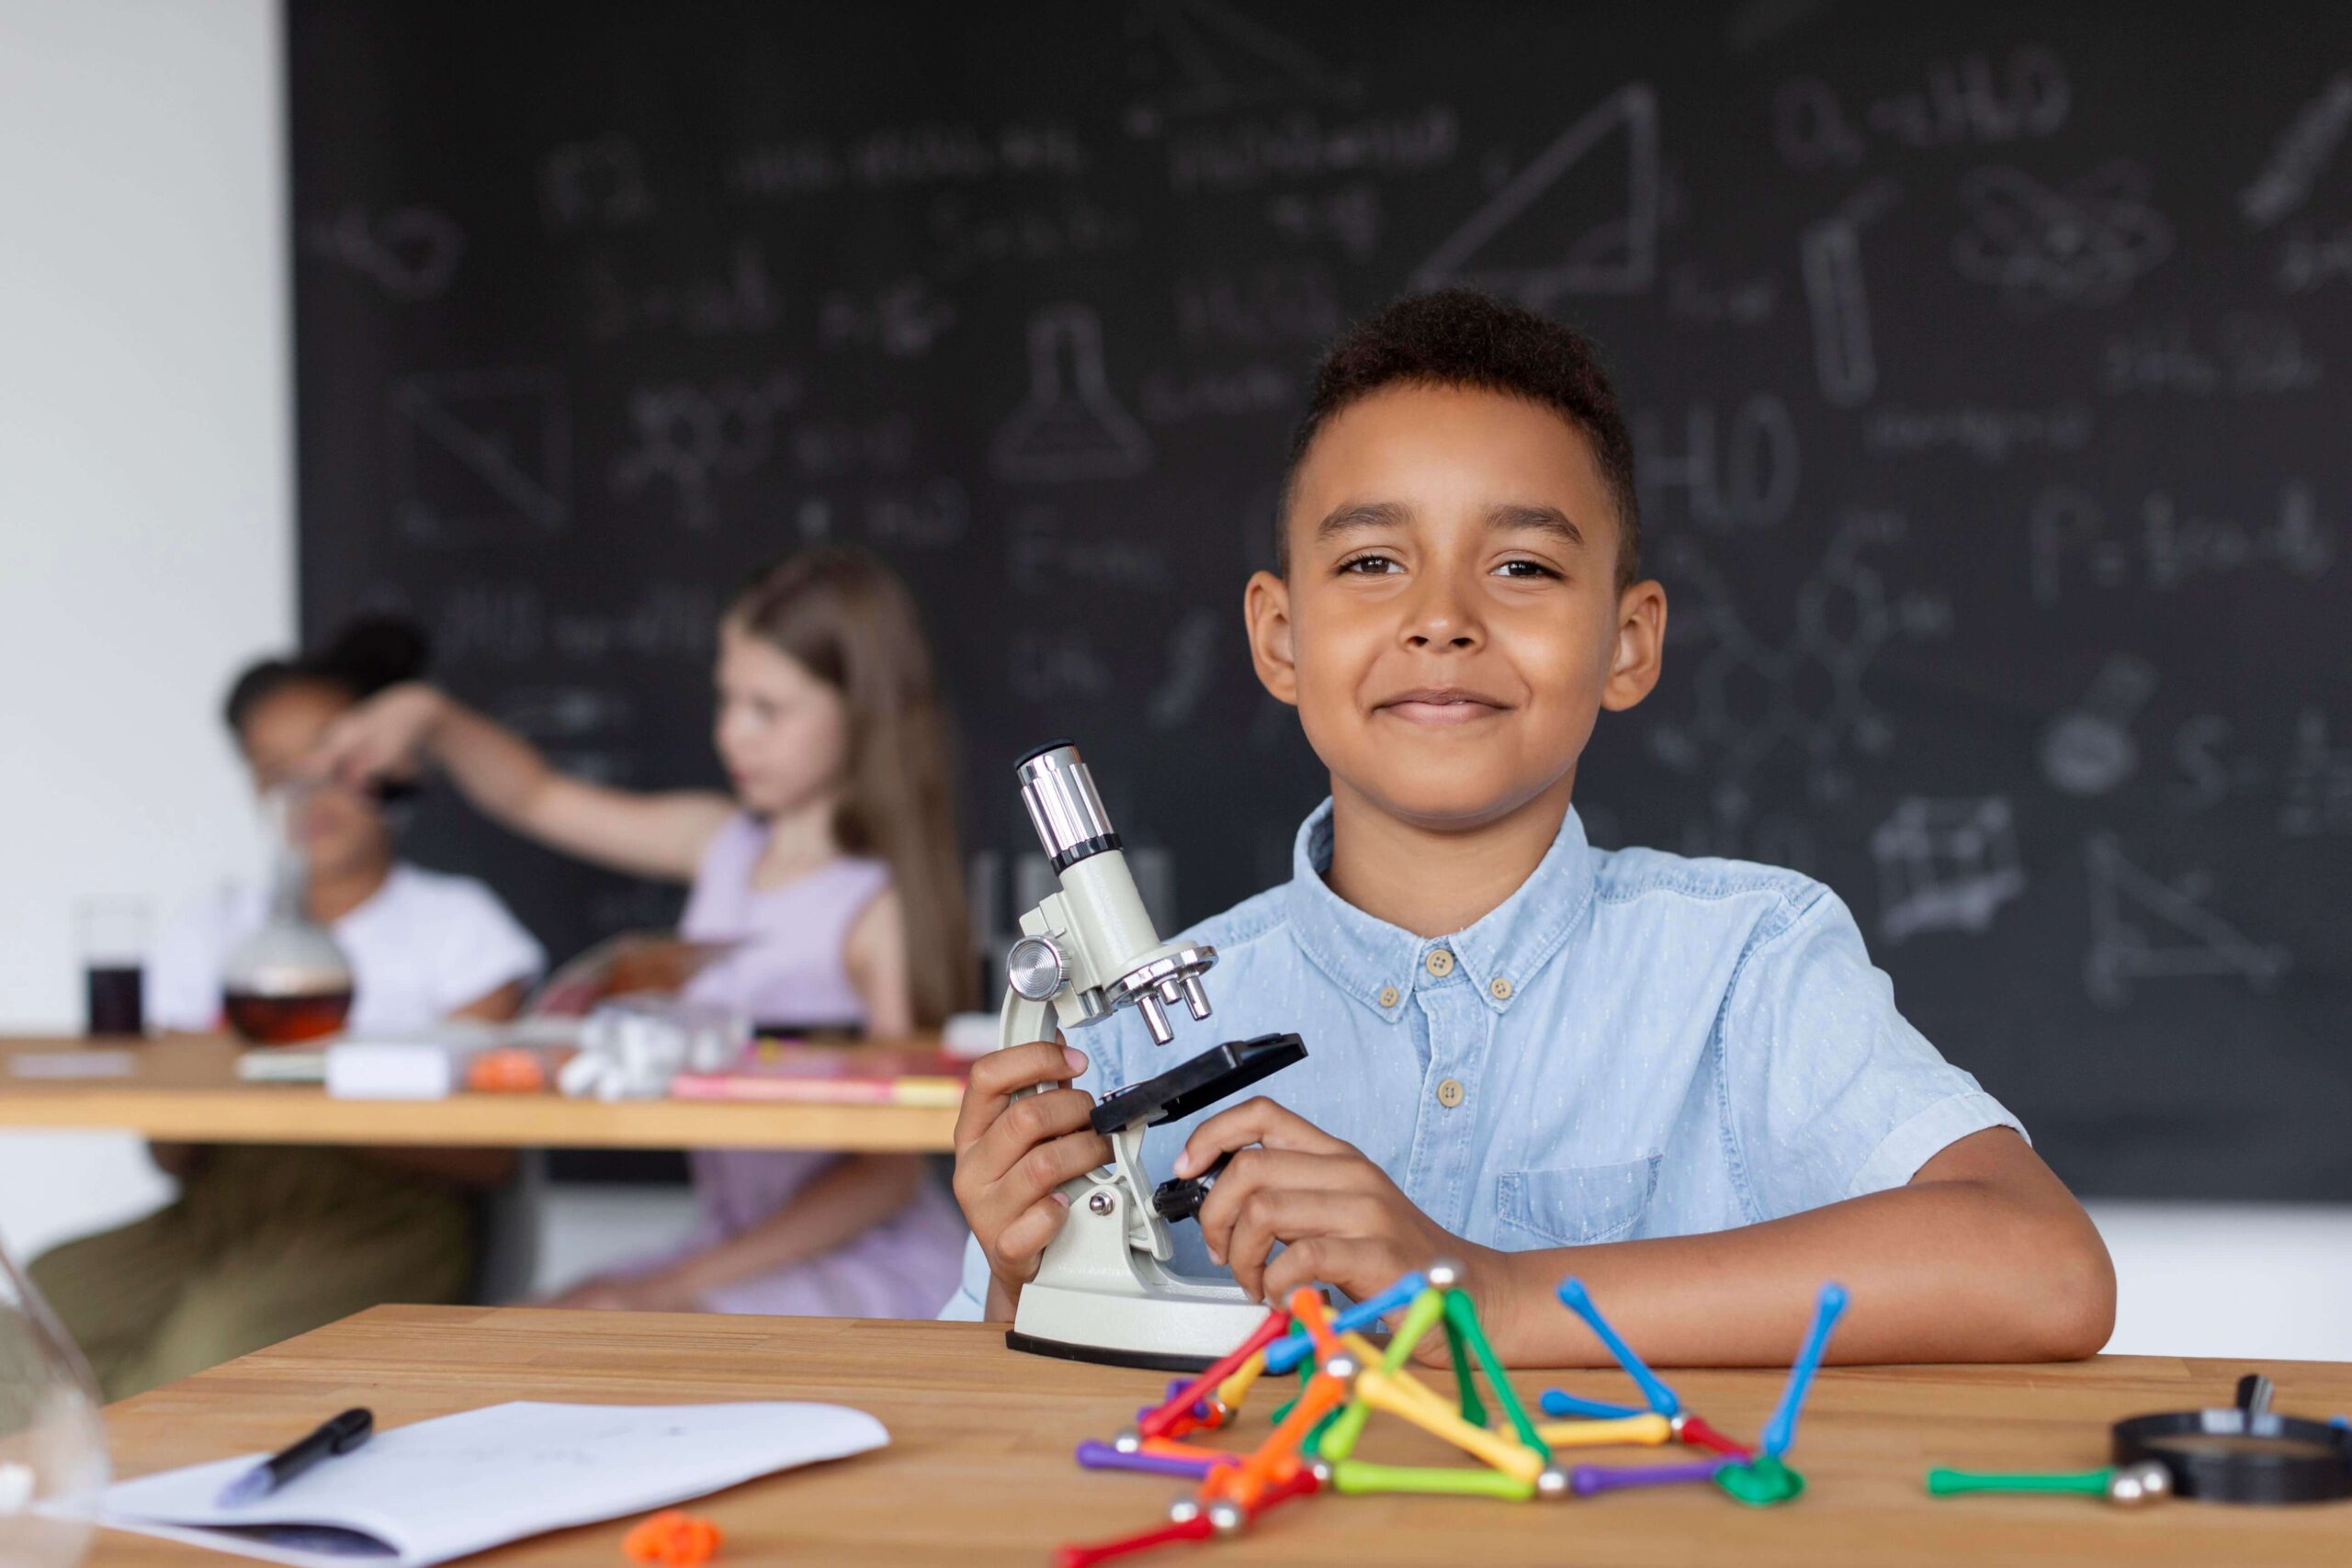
1524,569
1369,566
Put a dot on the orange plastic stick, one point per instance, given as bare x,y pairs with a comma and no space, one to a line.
1161,1422
1266,1466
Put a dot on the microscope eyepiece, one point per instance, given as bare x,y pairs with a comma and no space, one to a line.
1063,806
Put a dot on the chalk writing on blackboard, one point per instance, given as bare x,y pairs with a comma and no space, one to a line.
689,437
478,455
1973,101
1737,473
2318,782
410,253
2090,749
1983,431
2082,244
1578,246
2143,929
1206,57
2168,544
739,298
2304,153
1945,866
1830,255
2244,355
1805,695
597,184
1069,426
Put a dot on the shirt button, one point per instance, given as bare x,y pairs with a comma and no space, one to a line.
1440,962
1499,989
1449,1093
1388,996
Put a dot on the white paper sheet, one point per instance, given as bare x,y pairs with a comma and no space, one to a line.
436,1490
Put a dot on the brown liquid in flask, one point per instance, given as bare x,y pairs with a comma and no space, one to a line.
286,1021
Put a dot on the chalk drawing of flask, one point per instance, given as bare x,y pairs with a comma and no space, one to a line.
1069,427
2088,749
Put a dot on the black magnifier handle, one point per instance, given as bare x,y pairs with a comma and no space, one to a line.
2254,1391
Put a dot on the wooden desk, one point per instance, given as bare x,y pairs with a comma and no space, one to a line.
981,1469
186,1091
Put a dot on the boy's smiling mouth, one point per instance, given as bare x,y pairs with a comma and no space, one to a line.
1441,705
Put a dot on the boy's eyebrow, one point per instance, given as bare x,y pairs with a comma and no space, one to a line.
1543,519
1363,514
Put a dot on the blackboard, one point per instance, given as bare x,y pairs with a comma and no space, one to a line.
1987,364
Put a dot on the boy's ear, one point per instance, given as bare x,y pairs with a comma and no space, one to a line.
1640,648
1274,647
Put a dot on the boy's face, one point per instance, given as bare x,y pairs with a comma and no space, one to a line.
1451,624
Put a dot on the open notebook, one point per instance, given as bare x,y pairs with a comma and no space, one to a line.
435,1489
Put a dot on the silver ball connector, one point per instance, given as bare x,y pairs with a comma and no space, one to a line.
1183,1511
1553,1483
1342,1366
2135,1486
1128,1442
1225,1517
1443,1274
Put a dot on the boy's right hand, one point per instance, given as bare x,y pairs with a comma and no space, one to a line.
1012,1155
385,737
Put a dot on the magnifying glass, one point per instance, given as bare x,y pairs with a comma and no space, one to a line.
2245,1453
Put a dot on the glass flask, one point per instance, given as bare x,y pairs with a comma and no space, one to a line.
53,1446
288,981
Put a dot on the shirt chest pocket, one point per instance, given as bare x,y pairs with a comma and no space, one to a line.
1575,1206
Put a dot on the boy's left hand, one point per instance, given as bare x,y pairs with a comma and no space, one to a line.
1343,1221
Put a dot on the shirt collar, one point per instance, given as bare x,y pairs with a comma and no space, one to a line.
1379,964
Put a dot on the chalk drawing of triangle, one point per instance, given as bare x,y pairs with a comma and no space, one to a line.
1536,239
1223,58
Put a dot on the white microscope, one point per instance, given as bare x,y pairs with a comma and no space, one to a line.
1104,1290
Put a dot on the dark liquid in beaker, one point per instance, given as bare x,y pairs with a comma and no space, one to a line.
117,1000
284,1021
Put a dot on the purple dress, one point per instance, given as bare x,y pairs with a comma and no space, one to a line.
790,969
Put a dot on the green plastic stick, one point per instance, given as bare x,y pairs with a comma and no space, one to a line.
1419,1318
1354,1476
1948,1482
1463,1313
1474,1409
1312,1444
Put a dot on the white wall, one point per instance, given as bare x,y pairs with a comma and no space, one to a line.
146,538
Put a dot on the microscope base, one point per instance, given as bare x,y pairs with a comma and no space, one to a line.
1180,1327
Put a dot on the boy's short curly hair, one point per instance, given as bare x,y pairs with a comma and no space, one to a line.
1457,337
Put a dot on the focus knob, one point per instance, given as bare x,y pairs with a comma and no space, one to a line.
1034,968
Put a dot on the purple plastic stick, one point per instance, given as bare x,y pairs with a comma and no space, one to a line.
1175,1387
1588,1479
1103,1456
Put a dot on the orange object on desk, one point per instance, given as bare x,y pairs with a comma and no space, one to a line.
672,1538
512,1070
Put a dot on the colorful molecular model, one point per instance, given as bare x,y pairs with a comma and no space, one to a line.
1345,1379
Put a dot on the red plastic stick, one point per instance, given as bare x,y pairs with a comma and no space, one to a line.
1157,1423
1300,1482
1196,1529
1698,1434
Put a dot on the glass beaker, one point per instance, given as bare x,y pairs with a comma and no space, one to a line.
53,1445
288,981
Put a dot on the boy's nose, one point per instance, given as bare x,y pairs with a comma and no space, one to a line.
1440,615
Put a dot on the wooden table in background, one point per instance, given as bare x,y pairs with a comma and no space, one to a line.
184,1089
979,1468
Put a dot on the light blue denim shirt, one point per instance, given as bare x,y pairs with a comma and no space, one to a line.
1633,1044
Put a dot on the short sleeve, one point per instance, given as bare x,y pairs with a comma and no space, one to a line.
183,979
1831,1093
479,947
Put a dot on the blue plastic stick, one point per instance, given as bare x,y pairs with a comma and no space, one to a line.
1661,1398
1782,1428
1556,1403
1292,1348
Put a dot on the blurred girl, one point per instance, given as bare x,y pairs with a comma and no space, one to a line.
832,869
267,1242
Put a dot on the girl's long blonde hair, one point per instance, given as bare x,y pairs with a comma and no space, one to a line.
849,621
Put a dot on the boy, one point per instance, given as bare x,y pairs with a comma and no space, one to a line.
1679,1079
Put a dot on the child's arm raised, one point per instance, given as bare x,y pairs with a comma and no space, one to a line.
507,779
1984,1256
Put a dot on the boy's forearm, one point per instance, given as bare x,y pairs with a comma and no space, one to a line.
1959,1269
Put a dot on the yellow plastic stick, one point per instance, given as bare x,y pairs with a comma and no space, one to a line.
1236,1389
1513,1459
1419,1318
1647,1427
